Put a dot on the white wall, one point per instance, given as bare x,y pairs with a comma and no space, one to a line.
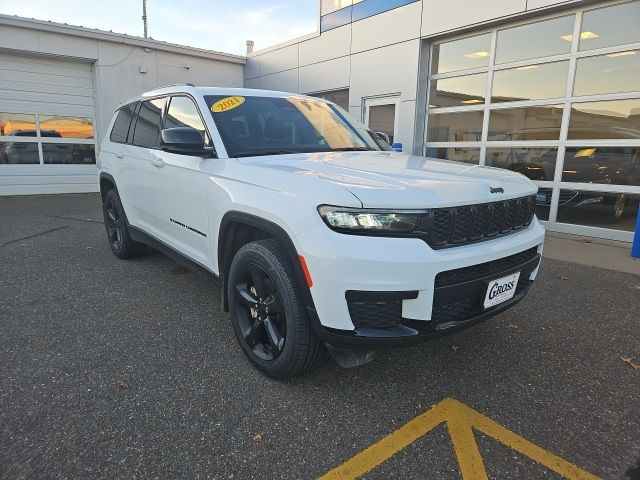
117,62
116,68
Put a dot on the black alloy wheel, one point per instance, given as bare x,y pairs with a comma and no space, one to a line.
268,311
113,224
261,316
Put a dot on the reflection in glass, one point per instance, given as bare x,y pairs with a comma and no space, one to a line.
147,130
536,163
530,82
68,153
458,91
610,165
339,97
461,54
610,119
610,26
534,40
17,124
455,127
19,153
183,112
599,209
528,123
382,118
612,73
66,127
458,154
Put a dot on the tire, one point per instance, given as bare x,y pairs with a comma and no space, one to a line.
121,243
278,342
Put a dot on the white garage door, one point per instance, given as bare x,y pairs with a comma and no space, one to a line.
46,126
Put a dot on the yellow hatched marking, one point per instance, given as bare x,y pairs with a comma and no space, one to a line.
460,420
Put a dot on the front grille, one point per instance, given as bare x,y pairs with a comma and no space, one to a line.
449,227
459,294
375,314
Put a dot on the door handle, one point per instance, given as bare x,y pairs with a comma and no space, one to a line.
119,155
157,162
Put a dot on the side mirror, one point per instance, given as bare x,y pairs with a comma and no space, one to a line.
383,136
183,140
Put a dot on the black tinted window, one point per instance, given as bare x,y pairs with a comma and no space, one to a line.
147,131
121,125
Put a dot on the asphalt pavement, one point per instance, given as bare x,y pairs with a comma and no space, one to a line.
130,370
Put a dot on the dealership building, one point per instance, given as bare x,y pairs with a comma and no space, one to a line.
548,88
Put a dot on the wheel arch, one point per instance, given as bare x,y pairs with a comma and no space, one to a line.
107,182
238,229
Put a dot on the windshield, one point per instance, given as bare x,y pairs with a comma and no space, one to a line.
254,126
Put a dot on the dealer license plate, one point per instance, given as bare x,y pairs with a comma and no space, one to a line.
501,290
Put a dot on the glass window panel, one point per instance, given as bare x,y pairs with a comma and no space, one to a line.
183,112
602,120
458,154
68,153
535,163
19,153
382,118
458,91
528,123
362,10
335,19
17,124
66,127
609,26
598,209
455,127
610,165
120,128
535,40
612,73
339,97
147,130
531,82
461,54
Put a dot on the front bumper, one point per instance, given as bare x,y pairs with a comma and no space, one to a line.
409,268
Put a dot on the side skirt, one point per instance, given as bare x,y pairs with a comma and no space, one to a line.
143,237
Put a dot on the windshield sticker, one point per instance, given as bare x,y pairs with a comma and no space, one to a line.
228,103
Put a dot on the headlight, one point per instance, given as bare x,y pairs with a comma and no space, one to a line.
366,220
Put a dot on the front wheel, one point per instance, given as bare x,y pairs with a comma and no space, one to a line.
268,312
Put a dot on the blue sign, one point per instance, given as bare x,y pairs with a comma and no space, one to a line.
635,247
397,146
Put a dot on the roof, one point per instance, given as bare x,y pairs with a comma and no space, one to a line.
187,88
94,33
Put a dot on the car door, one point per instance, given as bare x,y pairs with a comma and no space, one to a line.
141,160
180,187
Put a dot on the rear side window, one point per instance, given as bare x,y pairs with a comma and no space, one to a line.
121,125
148,123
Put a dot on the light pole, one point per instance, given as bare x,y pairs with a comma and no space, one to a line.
144,17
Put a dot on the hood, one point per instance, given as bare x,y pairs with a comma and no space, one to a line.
396,180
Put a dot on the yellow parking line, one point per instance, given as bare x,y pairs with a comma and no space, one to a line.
460,421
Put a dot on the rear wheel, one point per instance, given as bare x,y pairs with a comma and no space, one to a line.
121,243
268,312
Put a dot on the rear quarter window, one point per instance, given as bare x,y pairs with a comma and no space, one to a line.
120,128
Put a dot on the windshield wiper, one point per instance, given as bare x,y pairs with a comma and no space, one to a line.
352,149
259,153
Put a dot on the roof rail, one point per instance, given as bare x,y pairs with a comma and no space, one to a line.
176,85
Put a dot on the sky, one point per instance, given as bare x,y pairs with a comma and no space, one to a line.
221,25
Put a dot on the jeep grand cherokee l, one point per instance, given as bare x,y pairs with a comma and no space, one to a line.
317,234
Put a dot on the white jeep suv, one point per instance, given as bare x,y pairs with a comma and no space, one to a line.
317,232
